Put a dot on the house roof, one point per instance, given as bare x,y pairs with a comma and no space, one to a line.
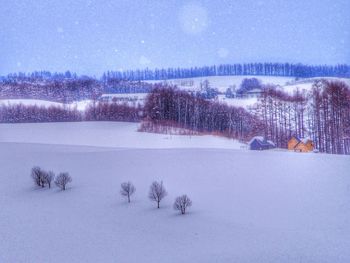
254,91
303,140
262,141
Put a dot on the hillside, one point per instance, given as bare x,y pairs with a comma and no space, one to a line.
270,206
107,134
287,84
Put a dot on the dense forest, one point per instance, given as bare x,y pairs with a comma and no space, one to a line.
169,105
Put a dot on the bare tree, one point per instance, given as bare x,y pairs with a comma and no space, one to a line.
36,175
48,177
181,203
128,189
157,192
62,179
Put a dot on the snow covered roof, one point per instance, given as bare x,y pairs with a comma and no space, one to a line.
271,142
303,140
262,141
260,138
254,91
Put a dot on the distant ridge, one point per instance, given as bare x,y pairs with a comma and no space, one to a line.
252,69
297,70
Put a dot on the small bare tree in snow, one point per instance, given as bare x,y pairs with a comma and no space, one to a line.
157,192
62,180
181,203
128,189
48,177
36,175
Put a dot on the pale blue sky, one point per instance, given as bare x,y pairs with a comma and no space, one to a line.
93,36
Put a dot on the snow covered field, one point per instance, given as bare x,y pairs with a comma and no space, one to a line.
224,82
248,206
107,134
80,105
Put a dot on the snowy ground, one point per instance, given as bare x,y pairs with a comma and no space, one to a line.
248,206
224,82
306,84
80,105
241,102
107,134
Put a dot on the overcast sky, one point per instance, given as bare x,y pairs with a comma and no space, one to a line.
91,36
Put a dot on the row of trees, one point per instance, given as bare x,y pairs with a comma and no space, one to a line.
261,69
157,192
328,116
40,76
101,111
42,178
112,84
167,105
54,90
19,113
105,111
323,114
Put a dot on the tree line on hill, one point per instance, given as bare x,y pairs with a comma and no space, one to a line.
64,91
100,111
67,90
253,69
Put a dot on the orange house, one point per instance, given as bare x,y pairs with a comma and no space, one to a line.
300,144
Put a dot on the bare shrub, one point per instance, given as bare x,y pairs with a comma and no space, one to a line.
62,179
166,127
36,175
48,177
181,203
157,192
128,189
